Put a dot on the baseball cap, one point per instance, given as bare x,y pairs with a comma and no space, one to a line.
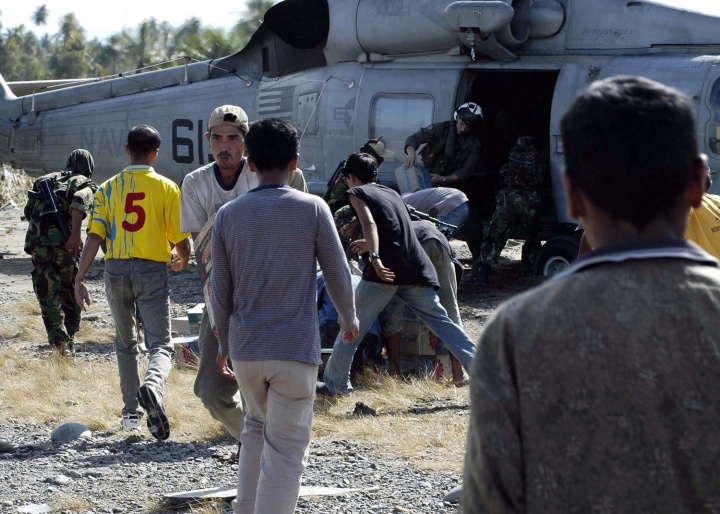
376,148
229,115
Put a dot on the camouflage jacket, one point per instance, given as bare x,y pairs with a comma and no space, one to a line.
74,191
338,198
521,170
446,152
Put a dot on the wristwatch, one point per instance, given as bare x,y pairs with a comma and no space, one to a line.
374,256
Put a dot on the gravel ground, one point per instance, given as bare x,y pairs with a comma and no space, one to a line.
118,474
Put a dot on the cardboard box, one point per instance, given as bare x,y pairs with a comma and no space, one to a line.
412,179
195,314
417,339
183,327
422,352
436,366
186,349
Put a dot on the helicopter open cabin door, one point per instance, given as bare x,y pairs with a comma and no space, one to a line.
395,102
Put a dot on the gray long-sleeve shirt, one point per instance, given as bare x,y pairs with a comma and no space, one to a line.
265,247
598,392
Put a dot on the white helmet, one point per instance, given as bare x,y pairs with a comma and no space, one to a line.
469,111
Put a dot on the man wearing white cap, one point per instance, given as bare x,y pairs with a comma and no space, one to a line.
204,191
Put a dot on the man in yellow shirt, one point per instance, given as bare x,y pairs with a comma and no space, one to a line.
137,214
704,226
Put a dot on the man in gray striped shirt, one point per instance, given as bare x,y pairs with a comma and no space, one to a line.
265,248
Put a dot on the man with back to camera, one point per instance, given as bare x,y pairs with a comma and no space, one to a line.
596,392
446,204
410,274
448,269
137,214
266,246
203,192
54,256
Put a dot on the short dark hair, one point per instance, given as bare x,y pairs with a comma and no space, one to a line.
630,147
271,144
143,140
363,166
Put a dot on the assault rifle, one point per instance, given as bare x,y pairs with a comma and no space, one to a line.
446,228
51,206
333,179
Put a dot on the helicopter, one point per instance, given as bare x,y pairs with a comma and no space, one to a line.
345,71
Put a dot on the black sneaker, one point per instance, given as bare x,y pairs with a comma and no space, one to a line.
157,420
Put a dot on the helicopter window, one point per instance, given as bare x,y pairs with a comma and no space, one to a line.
714,126
395,117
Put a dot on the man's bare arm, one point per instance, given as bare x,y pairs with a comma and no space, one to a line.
371,237
92,245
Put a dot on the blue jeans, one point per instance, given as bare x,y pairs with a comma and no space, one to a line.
131,282
370,299
457,216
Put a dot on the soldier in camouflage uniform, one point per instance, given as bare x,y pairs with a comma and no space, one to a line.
516,204
348,228
55,258
336,196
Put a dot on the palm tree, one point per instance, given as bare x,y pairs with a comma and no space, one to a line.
71,32
69,59
40,16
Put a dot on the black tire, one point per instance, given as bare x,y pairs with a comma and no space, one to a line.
556,255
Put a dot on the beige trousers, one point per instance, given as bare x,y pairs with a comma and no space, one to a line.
279,397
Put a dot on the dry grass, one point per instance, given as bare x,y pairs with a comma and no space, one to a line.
49,390
432,437
29,326
54,390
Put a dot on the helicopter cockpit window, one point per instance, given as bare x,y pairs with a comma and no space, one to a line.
395,117
713,136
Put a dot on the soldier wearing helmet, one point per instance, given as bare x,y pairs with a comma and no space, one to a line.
453,156
452,152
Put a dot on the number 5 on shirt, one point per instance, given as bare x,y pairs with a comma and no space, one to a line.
132,208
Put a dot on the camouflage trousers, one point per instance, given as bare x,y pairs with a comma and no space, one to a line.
513,208
54,271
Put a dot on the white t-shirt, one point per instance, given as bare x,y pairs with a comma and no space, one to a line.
202,195
445,199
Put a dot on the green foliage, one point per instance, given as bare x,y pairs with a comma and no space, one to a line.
68,54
